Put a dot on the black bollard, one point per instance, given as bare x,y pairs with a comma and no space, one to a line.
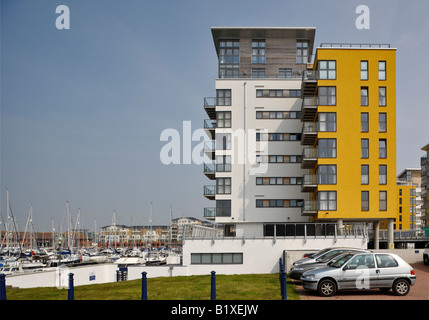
2,286
213,287
71,287
144,286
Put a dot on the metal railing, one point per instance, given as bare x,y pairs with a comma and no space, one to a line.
209,168
209,146
310,75
310,153
210,102
401,235
355,45
209,190
209,212
310,127
310,179
209,124
309,205
308,101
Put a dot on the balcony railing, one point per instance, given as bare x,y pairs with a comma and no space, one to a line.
309,207
309,133
209,124
209,146
209,191
309,183
209,168
309,158
210,102
309,75
209,212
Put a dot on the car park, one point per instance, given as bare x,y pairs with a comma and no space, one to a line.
361,271
327,252
297,270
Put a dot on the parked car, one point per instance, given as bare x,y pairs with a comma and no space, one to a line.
322,253
362,271
426,255
321,262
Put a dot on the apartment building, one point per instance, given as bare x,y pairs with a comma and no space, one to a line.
425,186
296,138
409,216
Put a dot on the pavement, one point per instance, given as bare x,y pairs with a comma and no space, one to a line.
420,290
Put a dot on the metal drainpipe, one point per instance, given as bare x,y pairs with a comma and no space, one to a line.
244,151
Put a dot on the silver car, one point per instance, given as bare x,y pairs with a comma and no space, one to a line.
327,252
362,271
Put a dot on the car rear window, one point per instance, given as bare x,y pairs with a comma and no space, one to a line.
385,261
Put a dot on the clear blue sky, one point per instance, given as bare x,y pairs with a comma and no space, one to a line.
82,109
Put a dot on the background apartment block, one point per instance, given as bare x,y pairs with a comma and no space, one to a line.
325,132
425,186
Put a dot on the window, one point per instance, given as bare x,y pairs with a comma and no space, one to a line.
278,136
382,174
364,96
364,70
223,97
223,208
278,115
327,121
223,119
381,70
223,141
364,174
278,93
382,96
278,159
327,200
223,185
266,181
258,73
327,148
361,261
327,174
327,96
385,261
383,200
364,122
279,203
302,51
382,149
223,163
258,51
229,51
217,258
327,69
364,200
364,148
285,73
382,125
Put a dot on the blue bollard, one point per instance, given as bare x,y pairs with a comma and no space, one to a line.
213,287
71,287
144,286
283,285
2,286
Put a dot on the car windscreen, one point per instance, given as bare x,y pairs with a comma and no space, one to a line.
341,260
319,253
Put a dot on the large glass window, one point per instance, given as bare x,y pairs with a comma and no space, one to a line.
364,175
285,73
364,96
258,73
327,69
364,122
223,163
258,51
327,174
364,200
223,119
327,148
364,148
383,200
302,47
382,148
364,70
223,185
327,121
381,70
229,53
382,174
223,97
223,208
327,96
217,258
382,122
327,200
382,96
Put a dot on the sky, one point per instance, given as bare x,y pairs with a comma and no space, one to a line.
82,109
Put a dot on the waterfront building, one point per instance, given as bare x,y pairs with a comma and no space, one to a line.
424,162
300,139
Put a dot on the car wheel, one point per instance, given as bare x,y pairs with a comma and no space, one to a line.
401,287
327,288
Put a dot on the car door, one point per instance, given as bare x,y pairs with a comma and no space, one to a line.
387,268
359,273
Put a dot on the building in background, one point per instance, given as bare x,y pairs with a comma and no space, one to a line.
296,140
424,162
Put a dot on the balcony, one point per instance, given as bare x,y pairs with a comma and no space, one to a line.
210,213
309,109
210,107
209,127
309,158
309,183
309,208
210,192
309,83
209,171
209,149
309,133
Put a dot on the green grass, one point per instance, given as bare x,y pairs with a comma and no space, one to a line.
228,287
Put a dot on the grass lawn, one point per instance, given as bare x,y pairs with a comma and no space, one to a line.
228,287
